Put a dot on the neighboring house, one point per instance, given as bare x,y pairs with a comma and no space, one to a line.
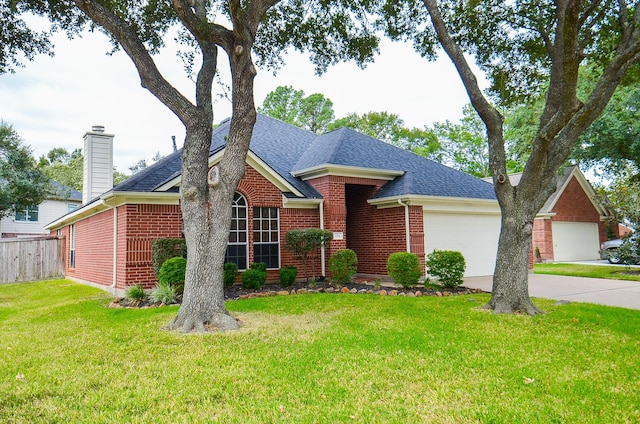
376,198
571,224
31,221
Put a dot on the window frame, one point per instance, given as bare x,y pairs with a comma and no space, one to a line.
259,232
72,246
238,232
27,213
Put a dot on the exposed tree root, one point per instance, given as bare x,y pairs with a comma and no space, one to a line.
219,321
501,306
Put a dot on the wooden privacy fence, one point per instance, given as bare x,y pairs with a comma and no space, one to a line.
29,259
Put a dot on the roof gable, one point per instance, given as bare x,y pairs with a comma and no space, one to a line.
570,173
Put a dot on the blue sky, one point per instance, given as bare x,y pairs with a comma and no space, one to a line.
53,101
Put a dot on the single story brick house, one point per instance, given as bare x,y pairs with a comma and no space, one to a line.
376,198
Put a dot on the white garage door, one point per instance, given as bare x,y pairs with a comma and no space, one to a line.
575,241
476,236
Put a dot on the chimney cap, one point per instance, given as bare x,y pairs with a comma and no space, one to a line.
97,128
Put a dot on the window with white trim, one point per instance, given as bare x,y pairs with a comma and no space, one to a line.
266,240
237,246
29,214
72,246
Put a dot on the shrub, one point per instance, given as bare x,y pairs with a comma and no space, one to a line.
163,293
288,275
343,265
448,266
255,277
260,266
166,248
404,268
230,273
172,272
303,242
135,293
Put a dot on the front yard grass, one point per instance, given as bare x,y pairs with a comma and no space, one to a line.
611,272
315,358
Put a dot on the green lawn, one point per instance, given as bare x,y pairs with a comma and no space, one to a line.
612,272
316,358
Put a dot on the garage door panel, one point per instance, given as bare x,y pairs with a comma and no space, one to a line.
575,241
475,236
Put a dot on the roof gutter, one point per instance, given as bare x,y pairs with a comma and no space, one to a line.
406,224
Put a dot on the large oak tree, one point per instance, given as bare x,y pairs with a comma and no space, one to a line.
241,29
527,47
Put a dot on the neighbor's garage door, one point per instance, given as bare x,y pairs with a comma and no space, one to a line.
575,241
476,236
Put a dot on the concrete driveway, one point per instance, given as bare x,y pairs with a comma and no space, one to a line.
621,293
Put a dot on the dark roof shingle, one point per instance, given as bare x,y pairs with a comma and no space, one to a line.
286,149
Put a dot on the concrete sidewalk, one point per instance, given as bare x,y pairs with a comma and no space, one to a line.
621,293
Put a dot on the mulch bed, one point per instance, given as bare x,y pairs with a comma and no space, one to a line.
237,292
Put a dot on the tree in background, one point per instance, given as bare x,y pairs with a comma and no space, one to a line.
465,143
66,167
22,184
612,142
526,49
63,166
313,112
390,128
242,30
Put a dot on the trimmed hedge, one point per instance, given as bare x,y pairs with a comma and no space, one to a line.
448,266
343,265
288,275
404,268
166,248
172,273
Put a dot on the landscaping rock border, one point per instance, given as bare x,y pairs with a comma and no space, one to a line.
237,292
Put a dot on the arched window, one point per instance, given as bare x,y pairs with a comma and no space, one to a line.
237,246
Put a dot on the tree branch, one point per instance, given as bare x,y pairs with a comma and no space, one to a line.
150,76
195,20
489,114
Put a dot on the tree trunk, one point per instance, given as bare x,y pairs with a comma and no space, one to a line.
510,292
206,218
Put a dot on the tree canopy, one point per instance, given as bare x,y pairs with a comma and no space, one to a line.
22,184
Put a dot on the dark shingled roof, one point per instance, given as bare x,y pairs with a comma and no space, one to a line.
287,149
63,192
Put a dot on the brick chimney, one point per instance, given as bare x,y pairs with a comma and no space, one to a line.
97,177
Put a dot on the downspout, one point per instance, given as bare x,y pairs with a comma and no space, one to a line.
406,224
115,245
322,249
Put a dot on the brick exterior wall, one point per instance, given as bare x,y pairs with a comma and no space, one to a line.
138,226
93,249
542,239
373,233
